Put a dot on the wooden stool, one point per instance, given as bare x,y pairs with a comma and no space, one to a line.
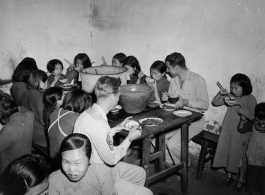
208,142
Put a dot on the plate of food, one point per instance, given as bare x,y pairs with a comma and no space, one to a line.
182,113
151,121
117,108
131,124
168,107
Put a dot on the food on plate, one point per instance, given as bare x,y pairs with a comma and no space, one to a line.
131,124
151,121
168,106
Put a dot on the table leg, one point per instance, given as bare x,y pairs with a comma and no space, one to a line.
185,157
161,146
146,157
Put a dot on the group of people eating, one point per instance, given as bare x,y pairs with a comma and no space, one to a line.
74,128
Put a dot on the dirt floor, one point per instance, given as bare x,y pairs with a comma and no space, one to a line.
210,184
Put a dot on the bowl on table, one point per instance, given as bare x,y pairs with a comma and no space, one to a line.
173,100
67,87
134,98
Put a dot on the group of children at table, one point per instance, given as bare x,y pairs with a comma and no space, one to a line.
53,113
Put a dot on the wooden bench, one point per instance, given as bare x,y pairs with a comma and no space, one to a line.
208,142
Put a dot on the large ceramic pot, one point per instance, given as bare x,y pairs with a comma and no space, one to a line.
134,98
89,76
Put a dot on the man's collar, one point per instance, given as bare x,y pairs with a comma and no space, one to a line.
189,74
100,111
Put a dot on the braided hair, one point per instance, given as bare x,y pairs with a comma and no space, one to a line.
51,96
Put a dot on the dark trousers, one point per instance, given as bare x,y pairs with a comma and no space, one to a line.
255,181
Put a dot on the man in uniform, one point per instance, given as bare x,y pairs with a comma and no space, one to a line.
94,123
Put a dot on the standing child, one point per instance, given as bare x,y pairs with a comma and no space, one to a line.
56,79
118,59
232,145
33,100
255,179
158,81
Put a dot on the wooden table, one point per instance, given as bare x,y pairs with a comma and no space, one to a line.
170,122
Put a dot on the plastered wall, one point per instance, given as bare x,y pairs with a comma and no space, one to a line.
217,37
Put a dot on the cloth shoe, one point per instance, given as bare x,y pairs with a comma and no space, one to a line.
227,182
238,187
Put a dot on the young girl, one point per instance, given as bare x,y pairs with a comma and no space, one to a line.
53,98
134,69
26,175
159,81
79,176
16,134
81,61
33,100
56,79
232,145
62,120
117,59
20,78
256,150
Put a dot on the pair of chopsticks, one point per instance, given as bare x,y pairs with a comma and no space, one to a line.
221,87
104,61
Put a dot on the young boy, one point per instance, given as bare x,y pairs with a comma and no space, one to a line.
256,150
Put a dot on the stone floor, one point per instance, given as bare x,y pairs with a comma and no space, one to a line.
210,184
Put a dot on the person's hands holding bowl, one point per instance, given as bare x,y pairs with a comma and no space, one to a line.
134,134
231,101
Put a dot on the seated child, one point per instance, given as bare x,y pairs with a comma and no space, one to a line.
134,69
16,133
20,78
255,179
62,119
33,100
117,59
158,81
53,98
56,79
26,175
81,61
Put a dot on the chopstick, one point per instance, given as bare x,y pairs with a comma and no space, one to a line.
104,61
221,87
68,62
